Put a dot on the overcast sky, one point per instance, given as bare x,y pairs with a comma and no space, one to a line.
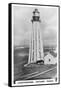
22,16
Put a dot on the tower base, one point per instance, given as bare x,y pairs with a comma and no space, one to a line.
40,62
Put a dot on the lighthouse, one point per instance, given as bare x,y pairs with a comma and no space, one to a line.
36,54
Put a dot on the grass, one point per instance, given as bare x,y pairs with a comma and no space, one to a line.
21,72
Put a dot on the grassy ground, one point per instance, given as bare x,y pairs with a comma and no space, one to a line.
21,72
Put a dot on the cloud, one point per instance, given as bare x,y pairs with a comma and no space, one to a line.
23,26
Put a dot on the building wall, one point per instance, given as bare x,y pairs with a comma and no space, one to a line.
49,59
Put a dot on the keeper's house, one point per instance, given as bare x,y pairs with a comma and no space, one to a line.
50,58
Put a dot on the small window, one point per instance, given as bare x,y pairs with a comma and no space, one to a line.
49,60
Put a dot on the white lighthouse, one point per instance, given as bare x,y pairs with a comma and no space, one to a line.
36,44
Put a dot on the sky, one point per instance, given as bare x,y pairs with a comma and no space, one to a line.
22,25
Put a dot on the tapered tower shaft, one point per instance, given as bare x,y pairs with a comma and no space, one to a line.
36,43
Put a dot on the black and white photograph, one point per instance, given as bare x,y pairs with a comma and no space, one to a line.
35,44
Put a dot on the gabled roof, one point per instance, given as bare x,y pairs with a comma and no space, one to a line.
52,53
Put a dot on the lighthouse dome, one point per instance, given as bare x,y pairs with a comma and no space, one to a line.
36,15
36,12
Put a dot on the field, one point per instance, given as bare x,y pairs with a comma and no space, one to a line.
32,71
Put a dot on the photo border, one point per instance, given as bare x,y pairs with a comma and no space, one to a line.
10,42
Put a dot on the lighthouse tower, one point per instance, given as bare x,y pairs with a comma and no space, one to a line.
36,44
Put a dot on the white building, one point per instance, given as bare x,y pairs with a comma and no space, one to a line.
50,59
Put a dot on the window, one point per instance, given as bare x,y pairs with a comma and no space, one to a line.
49,60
